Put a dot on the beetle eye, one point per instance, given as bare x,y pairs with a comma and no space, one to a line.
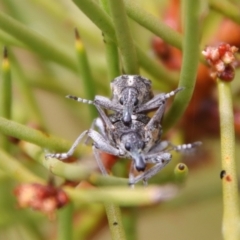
136,102
128,146
121,101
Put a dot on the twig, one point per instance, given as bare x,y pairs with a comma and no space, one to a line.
124,38
39,138
231,219
153,24
227,8
65,222
5,94
111,49
189,64
85,72
14,169
36,42
103,21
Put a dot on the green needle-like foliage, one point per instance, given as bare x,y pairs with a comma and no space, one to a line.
40,66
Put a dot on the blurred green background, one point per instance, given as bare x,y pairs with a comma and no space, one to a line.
40,82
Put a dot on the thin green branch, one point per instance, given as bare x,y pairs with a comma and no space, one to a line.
85,72
65,222
6,88
7,39
90,219
130,219
124,38
227,8
14,169
231,229
181,173
27,94
5,94
112,58
111,49
153,24
105,6
82,171
122,196
103,21
39,82
19,131
97,16
10,7
66,10
130,65
189,64
157,68
72,172
36,42
115,222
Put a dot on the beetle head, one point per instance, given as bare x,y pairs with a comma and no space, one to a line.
134,145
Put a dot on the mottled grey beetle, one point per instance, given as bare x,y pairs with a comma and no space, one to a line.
131,91
131,94
129,132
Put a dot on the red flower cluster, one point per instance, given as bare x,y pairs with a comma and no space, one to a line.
41,197
222,60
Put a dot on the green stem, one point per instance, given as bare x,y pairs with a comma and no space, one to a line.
9,40
124,38
82,171
156,69
105,6
112,58
16,12
72,172
227,8
153,24
6,88
130,216
103,21
122,196
181,173
5,94
39,138
90,219
13,168
85,72
36,42
231,219
189,64
111,49
97,16
39,82
115,222
27,94
130,66
60,10
65,222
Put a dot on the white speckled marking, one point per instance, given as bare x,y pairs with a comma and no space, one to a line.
134,117
130,80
